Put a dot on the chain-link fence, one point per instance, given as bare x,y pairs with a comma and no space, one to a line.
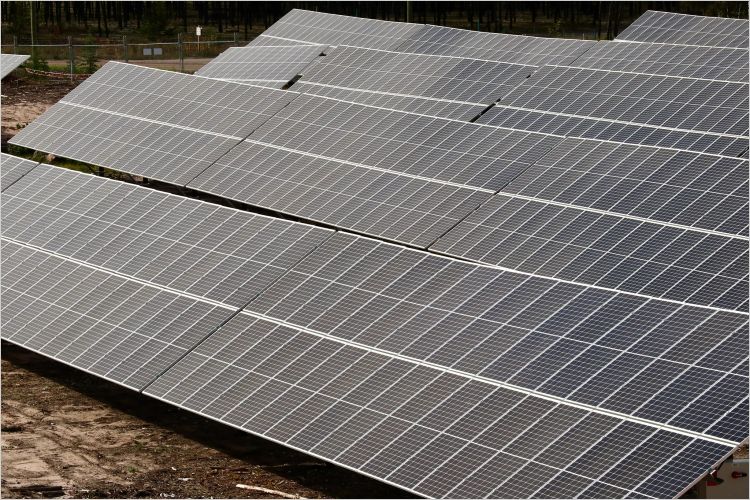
74,59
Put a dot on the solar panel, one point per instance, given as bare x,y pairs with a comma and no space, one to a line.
154,123
461,86
645,220
628,353
400,176
711,63
123,330
456,110
9,62
13,168
332,29
684,29
499,47
193,247
598,346
396,207
692,114
267,66
425,146
465,402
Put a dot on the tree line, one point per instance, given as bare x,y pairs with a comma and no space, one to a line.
153,19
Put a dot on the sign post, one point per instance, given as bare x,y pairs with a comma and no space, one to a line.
198,30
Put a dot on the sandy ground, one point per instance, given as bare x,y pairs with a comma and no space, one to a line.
24,98
69,434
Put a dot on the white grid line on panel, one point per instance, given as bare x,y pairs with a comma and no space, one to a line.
380,92
620,40
124,276
148,120
621,122
378,169
573,66
548,134
495,383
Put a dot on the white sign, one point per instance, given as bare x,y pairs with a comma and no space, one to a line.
198,30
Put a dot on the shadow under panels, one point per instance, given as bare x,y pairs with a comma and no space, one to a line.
153,123
646,220
684,113
122,280
273,66
451,87
391,174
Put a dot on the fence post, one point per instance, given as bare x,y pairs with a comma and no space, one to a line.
125,47
15,44
179,48
236,39
71,55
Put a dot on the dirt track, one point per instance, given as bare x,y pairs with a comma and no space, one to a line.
66,433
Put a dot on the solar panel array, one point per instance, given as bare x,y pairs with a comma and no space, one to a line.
354,356
9,62
452,87
692,114
578,326
499,47
13,168
273,66
153,123
682,29
304,26
712,63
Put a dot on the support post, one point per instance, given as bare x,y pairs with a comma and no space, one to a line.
72,57
15,44
125,47
179,49
236,39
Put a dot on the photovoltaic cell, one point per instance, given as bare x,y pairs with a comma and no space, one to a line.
186,245
267,66
9,62
175,125
13,168
684,29
711,63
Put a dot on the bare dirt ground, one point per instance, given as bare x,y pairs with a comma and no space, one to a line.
69,434
24,98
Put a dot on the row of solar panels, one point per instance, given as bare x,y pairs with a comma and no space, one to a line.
601,213
343,345
622,291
